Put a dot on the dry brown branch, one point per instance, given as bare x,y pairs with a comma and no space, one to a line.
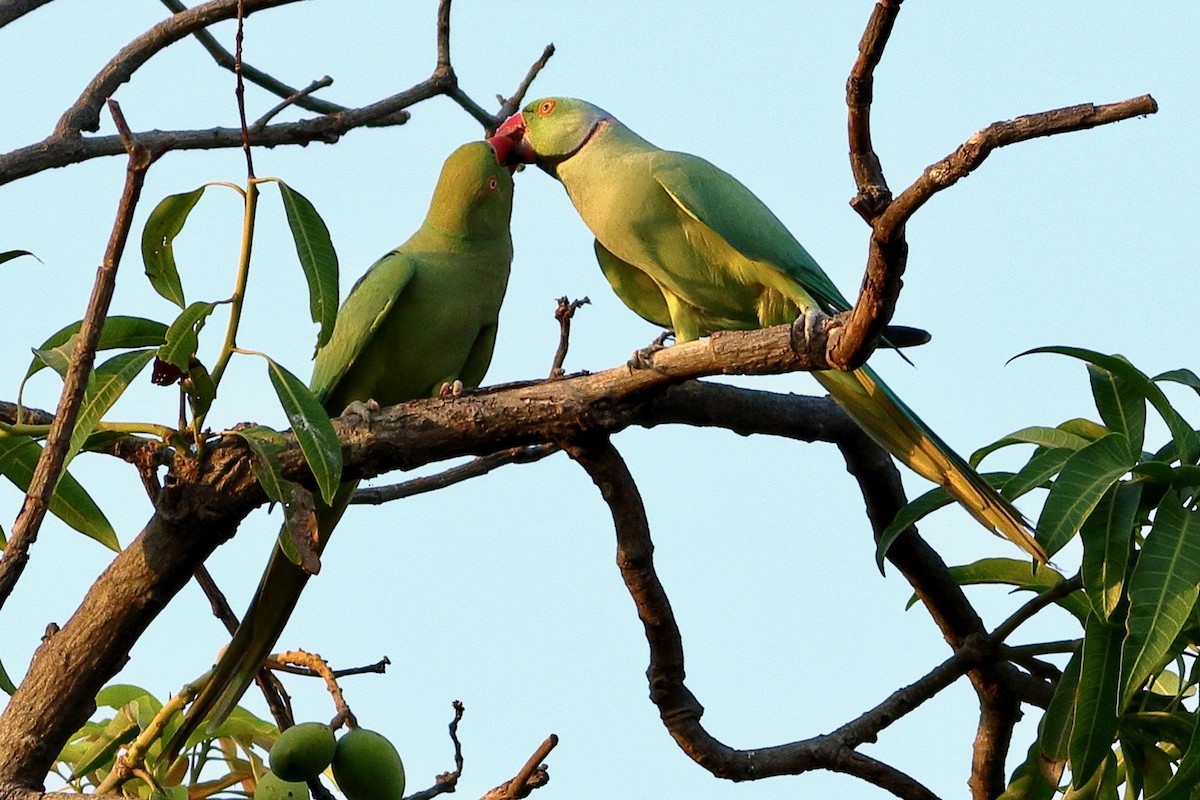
533,775
52,461
11,10
448,781
678,707
66,145
481,465
564,313
225,59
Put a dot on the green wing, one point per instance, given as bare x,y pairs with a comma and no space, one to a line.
635,288
717,199
365,309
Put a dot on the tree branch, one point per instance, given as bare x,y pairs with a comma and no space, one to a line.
53,459
11,10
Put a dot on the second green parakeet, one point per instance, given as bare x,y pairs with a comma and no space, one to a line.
688,247
423,316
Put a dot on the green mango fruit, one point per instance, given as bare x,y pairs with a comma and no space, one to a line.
272,787
367,767
303,751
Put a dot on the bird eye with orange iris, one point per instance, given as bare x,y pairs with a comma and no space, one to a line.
545,108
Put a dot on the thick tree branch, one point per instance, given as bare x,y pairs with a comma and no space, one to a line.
53,459
11,10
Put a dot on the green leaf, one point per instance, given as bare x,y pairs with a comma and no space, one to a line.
1161,472
318,259
200,387
118,332
1107,536
266,445
1035,434
6,684
1014,572
118,695
310,424
70,502
105,386
1044,465
1187,443
1102,786
1121,405
182,340
922,507
1187,773
1162,591
9,255
56,358
158,237
1054,731
119,731
1182,376
1084,479
1095,725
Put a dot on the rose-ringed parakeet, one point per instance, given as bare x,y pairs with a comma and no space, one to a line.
422,317
688,247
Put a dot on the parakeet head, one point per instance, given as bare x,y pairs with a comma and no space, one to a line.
474,192
549,130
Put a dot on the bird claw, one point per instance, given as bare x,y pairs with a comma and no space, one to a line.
808,334
643,358
448,389
363,411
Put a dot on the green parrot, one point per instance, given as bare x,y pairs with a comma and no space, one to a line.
687,247
422,317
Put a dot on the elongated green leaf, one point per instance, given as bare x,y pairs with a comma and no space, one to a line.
1161,472
182,340
1187,443
158,238
1102,786
1035,434
266,445
310,424
6,684
1187,772
117,695
118,332
1015,572
1107,536
1182,376
120,730
1054,731
105,385
922,507
1095,725
1082,482
1122,406
318,259
200,387
70,502
56,358
9,255
1044,465
1162,590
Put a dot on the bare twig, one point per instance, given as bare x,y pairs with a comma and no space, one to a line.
318,665
1036,604
225,59
481,465
565,311
448,781
50,464
293,99
509,106
240,89
532,776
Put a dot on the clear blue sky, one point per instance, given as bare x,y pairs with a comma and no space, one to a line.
503,592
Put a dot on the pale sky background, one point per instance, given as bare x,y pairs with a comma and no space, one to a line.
502,592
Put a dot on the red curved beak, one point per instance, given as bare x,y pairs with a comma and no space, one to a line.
509,143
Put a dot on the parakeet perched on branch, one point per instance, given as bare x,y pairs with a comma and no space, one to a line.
422,317
687,247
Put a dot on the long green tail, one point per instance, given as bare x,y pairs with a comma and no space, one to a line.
271,607
892,424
